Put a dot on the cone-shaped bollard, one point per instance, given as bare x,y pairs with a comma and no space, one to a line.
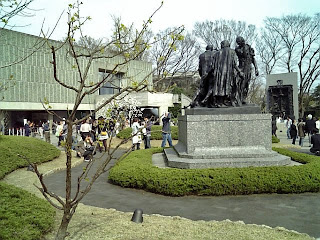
137,216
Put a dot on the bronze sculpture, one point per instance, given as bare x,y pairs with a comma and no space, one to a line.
246,58
205,66
225,75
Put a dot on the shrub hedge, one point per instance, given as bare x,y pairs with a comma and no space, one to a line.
34,149
275,139
22,214
155,133
137,171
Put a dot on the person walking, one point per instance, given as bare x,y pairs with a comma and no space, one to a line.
46,130
301,131
166,130
293,132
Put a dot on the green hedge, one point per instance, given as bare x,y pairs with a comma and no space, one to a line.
155,132
22,214
36,150
137,171
275,139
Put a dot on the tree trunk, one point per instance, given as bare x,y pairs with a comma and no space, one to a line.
62,231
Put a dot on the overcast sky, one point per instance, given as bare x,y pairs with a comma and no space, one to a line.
173,13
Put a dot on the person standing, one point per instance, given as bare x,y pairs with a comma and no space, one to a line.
136,139
301,131
102,133
315,141
288,125
166,130
85,129
310,126
274,126
318,123
41,130
147,135
27,129
46,130
59,132
293,132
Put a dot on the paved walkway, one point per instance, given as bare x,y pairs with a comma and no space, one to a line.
299,212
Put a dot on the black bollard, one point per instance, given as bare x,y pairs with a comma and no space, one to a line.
30,168
137,216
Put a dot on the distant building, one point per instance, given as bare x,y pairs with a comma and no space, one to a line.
30,81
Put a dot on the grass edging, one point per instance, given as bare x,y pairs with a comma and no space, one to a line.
137,171
23,215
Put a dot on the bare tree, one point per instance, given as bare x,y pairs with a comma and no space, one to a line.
127,37
300,49
183,60
81,60
90,43
12,8
270,50
256,93
213,32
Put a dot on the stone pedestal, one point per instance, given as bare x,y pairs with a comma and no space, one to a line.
224,137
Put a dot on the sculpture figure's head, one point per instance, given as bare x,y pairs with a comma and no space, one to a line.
209,47
240,41
225,43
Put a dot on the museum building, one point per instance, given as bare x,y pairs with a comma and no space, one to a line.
27,80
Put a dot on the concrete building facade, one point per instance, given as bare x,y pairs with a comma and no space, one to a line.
26,73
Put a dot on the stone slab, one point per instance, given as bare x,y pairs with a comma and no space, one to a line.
246,109
174,161
204,132
225,152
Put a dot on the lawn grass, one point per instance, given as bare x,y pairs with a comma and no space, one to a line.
22,214
137,171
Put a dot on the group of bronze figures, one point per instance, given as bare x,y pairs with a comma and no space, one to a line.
225,75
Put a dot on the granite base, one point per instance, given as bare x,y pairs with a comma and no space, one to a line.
227,139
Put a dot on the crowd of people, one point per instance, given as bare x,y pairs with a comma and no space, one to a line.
308,128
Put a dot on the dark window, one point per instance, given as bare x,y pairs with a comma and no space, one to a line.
112,82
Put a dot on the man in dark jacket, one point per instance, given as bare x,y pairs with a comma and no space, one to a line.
27,129
310,125
166,130
315,141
